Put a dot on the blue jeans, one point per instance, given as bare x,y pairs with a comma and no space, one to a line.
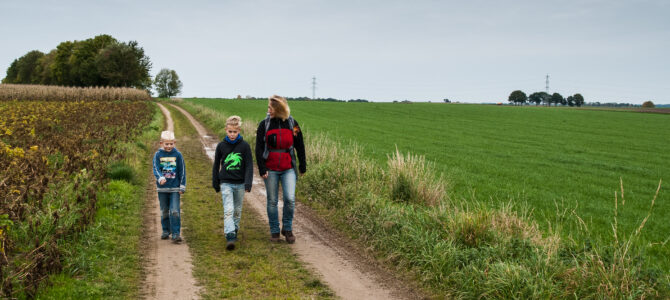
232,196
170,217
287,179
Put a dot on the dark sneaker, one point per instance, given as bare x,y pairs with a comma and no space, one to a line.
290,238
230,245
274,237
165,236
176,239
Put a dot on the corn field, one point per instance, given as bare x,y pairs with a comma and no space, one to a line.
53,156
24,92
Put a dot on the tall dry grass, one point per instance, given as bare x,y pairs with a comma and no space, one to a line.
413,179
9,92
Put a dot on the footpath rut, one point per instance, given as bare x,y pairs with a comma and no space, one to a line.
343,271
169,266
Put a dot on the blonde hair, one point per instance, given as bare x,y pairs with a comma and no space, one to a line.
234,121
167,136
280,107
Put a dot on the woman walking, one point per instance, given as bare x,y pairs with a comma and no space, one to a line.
278,141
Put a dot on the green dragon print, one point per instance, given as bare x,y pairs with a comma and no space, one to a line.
235,160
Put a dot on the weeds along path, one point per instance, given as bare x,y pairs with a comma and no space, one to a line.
346,273
169,266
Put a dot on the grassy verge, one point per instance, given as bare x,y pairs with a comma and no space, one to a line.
256,269
468,250
104,261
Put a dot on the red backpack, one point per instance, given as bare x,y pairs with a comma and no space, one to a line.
279,153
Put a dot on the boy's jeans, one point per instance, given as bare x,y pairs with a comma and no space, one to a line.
288,180
170,217
232,196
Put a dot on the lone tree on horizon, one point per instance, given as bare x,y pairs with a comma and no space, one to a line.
648,104
167,83
517,97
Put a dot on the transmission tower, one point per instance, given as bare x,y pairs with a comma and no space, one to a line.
547,84
313,87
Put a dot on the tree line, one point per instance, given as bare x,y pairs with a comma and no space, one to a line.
518,97
239,97
98,61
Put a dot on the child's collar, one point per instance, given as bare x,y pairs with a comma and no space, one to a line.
239,137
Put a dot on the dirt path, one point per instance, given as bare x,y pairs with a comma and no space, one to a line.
169,266
348,274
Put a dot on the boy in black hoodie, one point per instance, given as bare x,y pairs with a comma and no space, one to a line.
232,174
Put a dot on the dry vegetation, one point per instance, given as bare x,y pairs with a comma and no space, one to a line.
24,92
53,157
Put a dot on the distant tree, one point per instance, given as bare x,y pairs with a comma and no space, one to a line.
12,72
539,97
43,71
167,83
517,97
124,64
84,69
22,70
60,66
648,104
556,98
535,98
446,100
571,101
579,99
99,61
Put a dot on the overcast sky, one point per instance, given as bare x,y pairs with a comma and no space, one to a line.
468,51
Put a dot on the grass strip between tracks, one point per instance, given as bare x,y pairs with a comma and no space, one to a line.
256,269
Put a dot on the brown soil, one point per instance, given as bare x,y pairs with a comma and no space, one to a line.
343,266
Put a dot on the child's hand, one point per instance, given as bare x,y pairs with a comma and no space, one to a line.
162,181
265,176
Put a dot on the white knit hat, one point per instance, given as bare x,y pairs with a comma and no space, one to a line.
167,136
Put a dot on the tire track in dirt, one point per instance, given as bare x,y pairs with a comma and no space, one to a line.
348,274
169,266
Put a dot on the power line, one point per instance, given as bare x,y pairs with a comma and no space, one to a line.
313,87
547,84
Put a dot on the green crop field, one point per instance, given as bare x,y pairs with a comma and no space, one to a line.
545,160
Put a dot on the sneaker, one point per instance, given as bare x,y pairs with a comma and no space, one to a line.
274,237
176,239
230,245
290,238
165,236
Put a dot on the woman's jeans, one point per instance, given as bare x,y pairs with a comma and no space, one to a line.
287,179
232,196
170,218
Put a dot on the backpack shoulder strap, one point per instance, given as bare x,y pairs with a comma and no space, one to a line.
266,152
267,124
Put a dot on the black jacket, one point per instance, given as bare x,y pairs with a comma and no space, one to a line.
233,163
271,162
